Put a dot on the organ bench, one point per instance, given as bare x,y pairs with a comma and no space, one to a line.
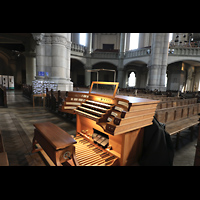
55,142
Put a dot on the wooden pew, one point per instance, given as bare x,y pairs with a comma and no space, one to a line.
176,102
3,154
179,118
27,91
197,153
3,96
54,99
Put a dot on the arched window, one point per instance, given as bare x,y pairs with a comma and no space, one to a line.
82,39
132,80
134,40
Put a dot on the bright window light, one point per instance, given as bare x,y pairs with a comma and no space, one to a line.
170,37
134,39
82,39
132,80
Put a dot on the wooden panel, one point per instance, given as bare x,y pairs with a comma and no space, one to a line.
49,131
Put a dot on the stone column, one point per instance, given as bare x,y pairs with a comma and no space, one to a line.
158,61
61,50
40,55
87,76
48,59
30,67
89,43
164,62
122,44
120,78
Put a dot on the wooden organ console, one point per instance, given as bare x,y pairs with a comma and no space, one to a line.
73,100
109,128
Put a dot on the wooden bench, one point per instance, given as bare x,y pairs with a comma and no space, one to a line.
197,153
175,103
57,143
3,154
3,97
179,118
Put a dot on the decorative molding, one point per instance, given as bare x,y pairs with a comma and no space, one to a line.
38,37
61,40
42,38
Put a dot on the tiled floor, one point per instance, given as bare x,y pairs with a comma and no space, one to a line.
16,125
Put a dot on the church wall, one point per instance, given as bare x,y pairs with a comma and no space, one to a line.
106,38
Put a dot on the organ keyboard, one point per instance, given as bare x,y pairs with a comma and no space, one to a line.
73,100
109,128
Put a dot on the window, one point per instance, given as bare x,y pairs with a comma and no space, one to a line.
134,40
108,46
132,80
170,37
166,79
82,39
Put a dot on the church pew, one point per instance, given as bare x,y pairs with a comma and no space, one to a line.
3,154
3,97
174,103
176,119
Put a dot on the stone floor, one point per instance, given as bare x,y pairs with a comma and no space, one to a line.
16,125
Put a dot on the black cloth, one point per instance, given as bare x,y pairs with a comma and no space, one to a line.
157,146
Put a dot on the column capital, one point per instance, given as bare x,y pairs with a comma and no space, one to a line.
38,37
62,40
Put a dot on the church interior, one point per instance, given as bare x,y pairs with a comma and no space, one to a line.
99,99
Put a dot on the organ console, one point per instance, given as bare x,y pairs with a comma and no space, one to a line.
109,127
73,100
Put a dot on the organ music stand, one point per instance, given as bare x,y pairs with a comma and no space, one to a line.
116,84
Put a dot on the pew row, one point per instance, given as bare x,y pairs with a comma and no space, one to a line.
3,154
176,119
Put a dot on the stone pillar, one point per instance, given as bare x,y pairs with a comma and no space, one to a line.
87,76
164,61
48,59
122,44
120,78
30,67
89,43
141,40
158,61
40,54
60,70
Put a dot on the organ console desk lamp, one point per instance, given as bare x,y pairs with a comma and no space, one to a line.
109,127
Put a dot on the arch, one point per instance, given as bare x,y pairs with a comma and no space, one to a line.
142,59
80,58
77,72
136,62
96,61
104,75
140,70
173,59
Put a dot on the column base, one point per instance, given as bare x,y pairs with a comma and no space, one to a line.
159,88
63,84
65,87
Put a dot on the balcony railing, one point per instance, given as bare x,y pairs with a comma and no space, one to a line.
78,48
111,55
138,52
184,51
